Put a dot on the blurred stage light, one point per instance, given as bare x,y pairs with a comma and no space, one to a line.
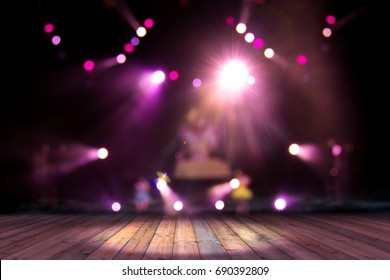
234,183
219,205
129,48
148,23
258,43
294,149
178,205
116,206
121,58
249,37
102,153
158,77
161,184
330,19
89,65
241,28
56,40
233,75
301,59
173,75
269,53
134,41
327,32
197,82
230,20
280,204
48,28
141,32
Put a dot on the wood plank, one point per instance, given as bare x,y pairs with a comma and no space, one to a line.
339,242
23,240
377,239
34,224
138,244
82,249
270,223
161,245
293,248
112,246
210,248
185,245
20,221
59,239
234,246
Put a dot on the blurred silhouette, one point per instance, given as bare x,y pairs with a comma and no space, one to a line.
142,197
242,194
197,159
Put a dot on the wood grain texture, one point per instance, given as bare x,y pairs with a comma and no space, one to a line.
270,236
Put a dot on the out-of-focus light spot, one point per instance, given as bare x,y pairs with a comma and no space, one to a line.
280,204
336,150
241,28
219,205
294,149
48,28
134,41
116,206
178,205
141,32
178,155
196,82
148,23
234,183
102,153
269,53
230,20
158,77
233,75
129,48
89,65
330,19
258,43
249,37
56,40
161,184
301,59
121,58
250,80
173,75
327,32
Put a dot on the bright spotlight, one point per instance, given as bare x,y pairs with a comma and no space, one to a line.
294,149
280,204
241,28
116,206
121,58
102,153
161,184
233,75
141,31
219,205
158,77
178,205
234,183
269,53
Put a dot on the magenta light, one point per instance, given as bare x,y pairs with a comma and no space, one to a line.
48,28
196,82
56,40
89,65
301,59
330,19
129,48
336,150
116,206
148,23
173,75
230,20
258,43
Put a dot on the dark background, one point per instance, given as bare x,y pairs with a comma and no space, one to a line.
47,98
